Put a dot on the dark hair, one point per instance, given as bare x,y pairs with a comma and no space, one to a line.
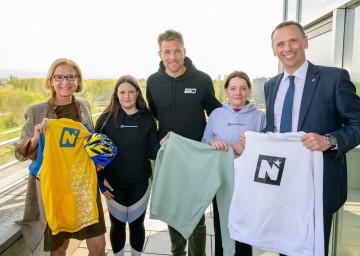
112,109
170,35
289,23
239,74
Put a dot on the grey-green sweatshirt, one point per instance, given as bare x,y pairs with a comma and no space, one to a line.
188,174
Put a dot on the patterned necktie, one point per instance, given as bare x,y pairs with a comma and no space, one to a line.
286,116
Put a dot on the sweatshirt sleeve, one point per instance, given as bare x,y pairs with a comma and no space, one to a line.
151,102
263,123
153,141
208,133
22,147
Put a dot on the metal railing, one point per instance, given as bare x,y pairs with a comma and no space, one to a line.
13,183
6,143
15,161
11,163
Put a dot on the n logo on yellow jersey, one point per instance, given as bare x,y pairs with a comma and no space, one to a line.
68,137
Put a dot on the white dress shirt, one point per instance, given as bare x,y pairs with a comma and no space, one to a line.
299,81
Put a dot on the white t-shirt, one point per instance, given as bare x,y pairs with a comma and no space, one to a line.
277,201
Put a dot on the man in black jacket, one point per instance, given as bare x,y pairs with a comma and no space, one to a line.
178,95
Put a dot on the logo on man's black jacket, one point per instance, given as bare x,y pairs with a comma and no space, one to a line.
269,169
190,90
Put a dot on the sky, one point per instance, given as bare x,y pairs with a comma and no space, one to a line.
110,38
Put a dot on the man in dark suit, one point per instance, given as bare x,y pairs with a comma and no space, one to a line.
325,106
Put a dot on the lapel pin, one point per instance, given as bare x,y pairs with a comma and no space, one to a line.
313,80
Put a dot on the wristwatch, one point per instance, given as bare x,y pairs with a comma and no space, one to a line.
331,141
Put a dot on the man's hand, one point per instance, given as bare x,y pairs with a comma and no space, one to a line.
315,142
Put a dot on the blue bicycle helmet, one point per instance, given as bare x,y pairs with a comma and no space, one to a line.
100,148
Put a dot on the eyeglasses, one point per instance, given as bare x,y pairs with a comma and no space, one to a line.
60,78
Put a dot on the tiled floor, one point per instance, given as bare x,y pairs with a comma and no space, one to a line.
349,226
157,236
157,241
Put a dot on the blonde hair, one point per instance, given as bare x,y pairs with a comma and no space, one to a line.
52,68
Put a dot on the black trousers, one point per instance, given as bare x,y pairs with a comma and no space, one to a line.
241,249
127,195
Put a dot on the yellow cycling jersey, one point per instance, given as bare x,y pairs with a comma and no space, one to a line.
68,178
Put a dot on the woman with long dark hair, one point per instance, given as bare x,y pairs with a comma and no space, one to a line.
126,181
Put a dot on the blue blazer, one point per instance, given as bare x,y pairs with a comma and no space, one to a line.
329,105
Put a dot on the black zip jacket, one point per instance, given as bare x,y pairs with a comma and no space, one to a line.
179,103
136,139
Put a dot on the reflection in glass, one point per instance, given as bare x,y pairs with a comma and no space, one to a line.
291,15
312,8
348,236
355,65
319,51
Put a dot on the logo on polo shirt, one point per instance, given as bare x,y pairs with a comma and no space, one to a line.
230,124
269,170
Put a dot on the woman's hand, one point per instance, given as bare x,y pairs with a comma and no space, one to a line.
107,194
242,139
219,145
99,167
238,149
39,129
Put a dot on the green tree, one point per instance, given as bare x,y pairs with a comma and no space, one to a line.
357,86
17,94
28,84
13,102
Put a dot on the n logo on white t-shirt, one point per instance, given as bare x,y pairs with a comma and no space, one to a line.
269,169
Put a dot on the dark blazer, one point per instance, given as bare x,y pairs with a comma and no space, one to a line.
329,105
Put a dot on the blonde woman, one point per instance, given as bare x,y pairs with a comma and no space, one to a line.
64,78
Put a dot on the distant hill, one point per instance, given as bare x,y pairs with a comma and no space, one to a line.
18,73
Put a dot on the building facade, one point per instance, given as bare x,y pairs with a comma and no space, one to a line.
258,92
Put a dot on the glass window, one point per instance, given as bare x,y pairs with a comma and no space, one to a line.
348,226
348,235
291,15
319,51
312,8
355,63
